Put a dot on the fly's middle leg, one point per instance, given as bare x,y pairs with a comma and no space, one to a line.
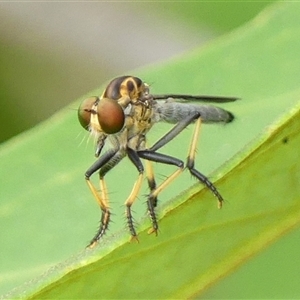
164,159
151,179
151,200
133,156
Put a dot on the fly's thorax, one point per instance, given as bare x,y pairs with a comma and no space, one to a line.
135,126
139,120
126,86
143,111
143,117
119,140
137,141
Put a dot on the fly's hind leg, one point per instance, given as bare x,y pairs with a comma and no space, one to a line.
191,157
191,162
152,155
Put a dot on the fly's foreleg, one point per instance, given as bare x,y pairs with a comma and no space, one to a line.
102,199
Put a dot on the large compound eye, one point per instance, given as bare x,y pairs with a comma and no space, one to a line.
85,110
110,116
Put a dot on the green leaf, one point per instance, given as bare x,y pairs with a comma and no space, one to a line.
48,213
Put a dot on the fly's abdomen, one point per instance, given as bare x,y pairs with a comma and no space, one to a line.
173,112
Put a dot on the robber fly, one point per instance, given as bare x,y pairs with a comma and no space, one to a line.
124,114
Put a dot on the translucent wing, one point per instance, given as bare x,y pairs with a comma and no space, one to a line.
203,98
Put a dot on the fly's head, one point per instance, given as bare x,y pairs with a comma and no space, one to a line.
105,115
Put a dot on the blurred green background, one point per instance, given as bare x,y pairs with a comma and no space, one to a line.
53,52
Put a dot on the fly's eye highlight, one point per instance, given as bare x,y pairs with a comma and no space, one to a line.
85,110
110,115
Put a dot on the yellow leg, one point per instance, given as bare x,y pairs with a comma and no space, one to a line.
162,186
104,205
104,193
154,195
128,203
150,176
191,162
195,138
94,191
